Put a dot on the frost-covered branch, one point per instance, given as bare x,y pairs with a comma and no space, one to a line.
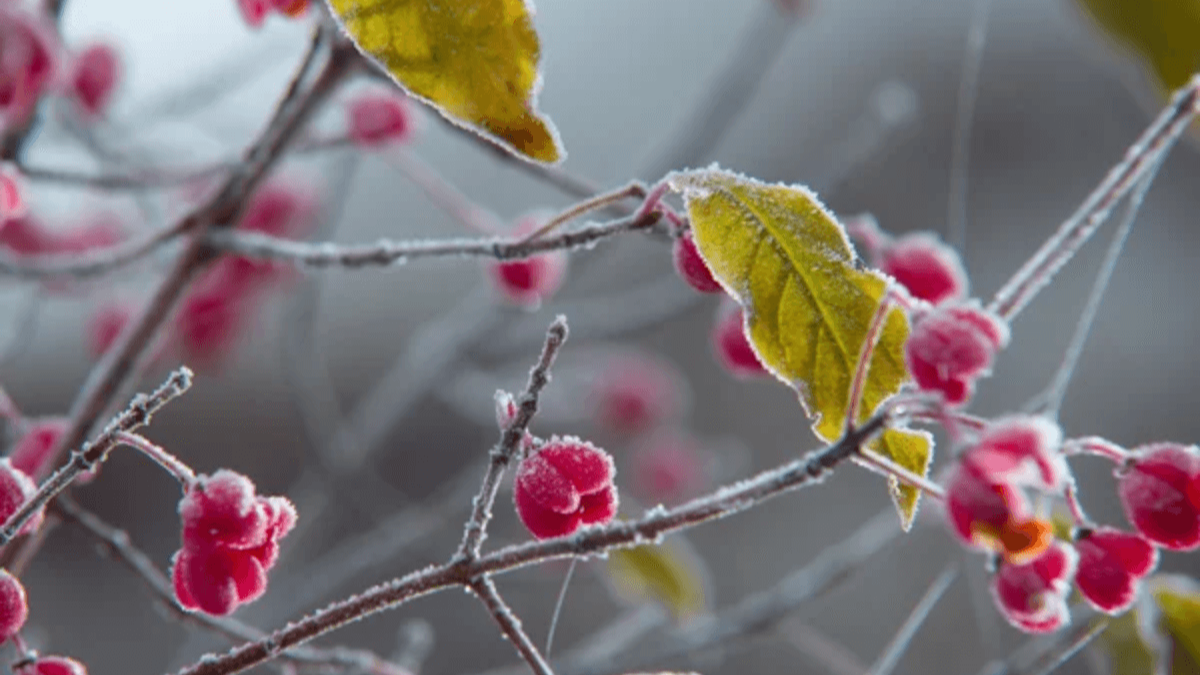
510,625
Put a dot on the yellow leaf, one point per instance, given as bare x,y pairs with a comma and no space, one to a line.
1129,651
912,450
808,304
669,573
1180,608
1164,33
476,61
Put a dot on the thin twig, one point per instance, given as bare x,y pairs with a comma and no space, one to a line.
387,252
510,442
651,526
831,655
1139,160
634,189
88,264
964,119
890,658
171,464
1080,639
1052,399
138,414
116,542
510,625
558,605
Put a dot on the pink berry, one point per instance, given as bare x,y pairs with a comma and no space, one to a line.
215,314
732,348
14,606
254,12
1022,450
690,266
291,8
1111,563
633,392
378,118
102,231
94,77
279,208
951,347
58,665
16,488
565,484
1033,596
230,540
531,281
29,56
1158,490
668,467
24,235
993,516
927,268
12,199
31,454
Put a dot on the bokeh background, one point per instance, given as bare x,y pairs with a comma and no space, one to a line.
860,103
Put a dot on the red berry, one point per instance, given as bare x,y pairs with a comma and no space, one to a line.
291,8
31,454
732,348
565,484
1111,563
16,488
230,540
12,200
24,235
692,267
633,392
254,12
927,268
58,665
668,467
1158,490
28,61
94,77
14,606
530,281
953,346
379,118
101,232
1022,450
1033,596
994,516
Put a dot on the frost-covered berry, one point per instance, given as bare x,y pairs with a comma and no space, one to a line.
1022,449
566,483
690,266
291,8
668,466
29,61
16,488
1033,596
31,454
94,76
994,516
531,281
633,392
1159,490
57,665
25,235
14,606
12,193
731,346
379,117
1111,563
953,346
254,12
928,269
230,540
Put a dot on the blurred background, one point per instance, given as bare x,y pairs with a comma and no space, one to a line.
857,98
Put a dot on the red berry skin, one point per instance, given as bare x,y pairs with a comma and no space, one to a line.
222,510
529,282
1111,563
31,454
1023,450
1033,596
565,484
16,488
14,606
12,191
953,346
380,118
1158,490
928,269
632,393
690,266
58,665
732,348
29,61
253,12
95,75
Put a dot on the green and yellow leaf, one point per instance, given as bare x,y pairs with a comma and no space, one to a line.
913,450
669,573
1165,34
476,62
1180,618
807,301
